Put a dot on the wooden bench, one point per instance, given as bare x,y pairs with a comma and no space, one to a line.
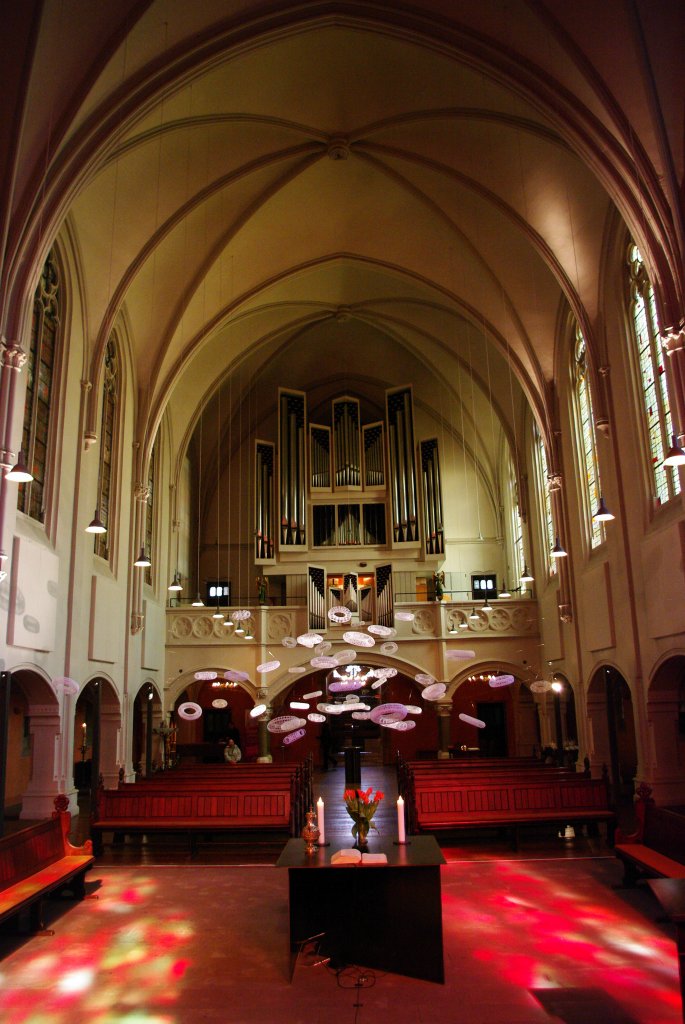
294,778
657,848
508,803
508,768
39,860
197,812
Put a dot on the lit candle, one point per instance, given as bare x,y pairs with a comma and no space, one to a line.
319,821
401,834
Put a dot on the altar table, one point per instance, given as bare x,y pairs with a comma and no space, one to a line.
387,917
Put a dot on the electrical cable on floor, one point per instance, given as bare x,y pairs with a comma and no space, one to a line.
357,978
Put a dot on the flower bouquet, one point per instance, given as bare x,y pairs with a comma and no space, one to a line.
361,807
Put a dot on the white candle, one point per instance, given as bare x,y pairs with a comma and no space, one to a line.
401,835
319,821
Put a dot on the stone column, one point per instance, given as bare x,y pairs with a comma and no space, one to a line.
263,743
663,768
44,785
598,750
444,723
110,733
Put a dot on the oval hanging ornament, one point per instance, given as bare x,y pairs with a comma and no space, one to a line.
540,686
424,679
313,695
314,716
388,648
284,723
205,675
393,712
323,661
359,639
470,720
234,675
399,726
219,703
434,692
309,639
339,615
189,710
289,641
345,656
268,666
404,616
293,737
503,680
460,655
385,631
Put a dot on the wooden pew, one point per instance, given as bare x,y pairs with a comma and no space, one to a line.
295,777
657,848
205,811
40,860
458,803
483,768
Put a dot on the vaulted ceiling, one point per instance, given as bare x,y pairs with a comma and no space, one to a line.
385,193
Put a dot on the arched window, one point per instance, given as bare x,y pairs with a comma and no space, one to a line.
40,382
653,382
545,499
587,440
518,553
150,513
108,440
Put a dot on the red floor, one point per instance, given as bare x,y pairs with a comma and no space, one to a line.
541,936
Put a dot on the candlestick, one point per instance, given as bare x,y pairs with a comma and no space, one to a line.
401,834
320,821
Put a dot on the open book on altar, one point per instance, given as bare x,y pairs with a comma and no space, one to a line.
352,856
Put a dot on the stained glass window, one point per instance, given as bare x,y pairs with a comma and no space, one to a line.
150,513
108,435
40,369
653,379
587,439
545,497
516,529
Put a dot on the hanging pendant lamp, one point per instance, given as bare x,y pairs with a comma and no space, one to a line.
557,551
19,471
675,457
96,525
603,515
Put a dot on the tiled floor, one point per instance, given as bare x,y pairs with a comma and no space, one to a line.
537,937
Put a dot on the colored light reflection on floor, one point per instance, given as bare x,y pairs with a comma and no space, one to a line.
541,934
126,969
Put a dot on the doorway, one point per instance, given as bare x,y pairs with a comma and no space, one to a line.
492,740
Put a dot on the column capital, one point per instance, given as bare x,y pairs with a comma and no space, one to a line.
12,354
673,339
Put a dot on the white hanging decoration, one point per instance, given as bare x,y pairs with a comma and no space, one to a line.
257,710
296,670
424,678
457,655
399,726
189,710
434,692
323,662
235,675
314,716
313,695
541,685
470,720
414,709
339,615
268,666
324,647
359,639
219,703
389,648
289,641
502,680
385,631
299,705
393,712
404,616
345,656
206,675
309,639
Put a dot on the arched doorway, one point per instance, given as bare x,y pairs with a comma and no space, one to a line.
665,772
97,736
34,727
611,722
